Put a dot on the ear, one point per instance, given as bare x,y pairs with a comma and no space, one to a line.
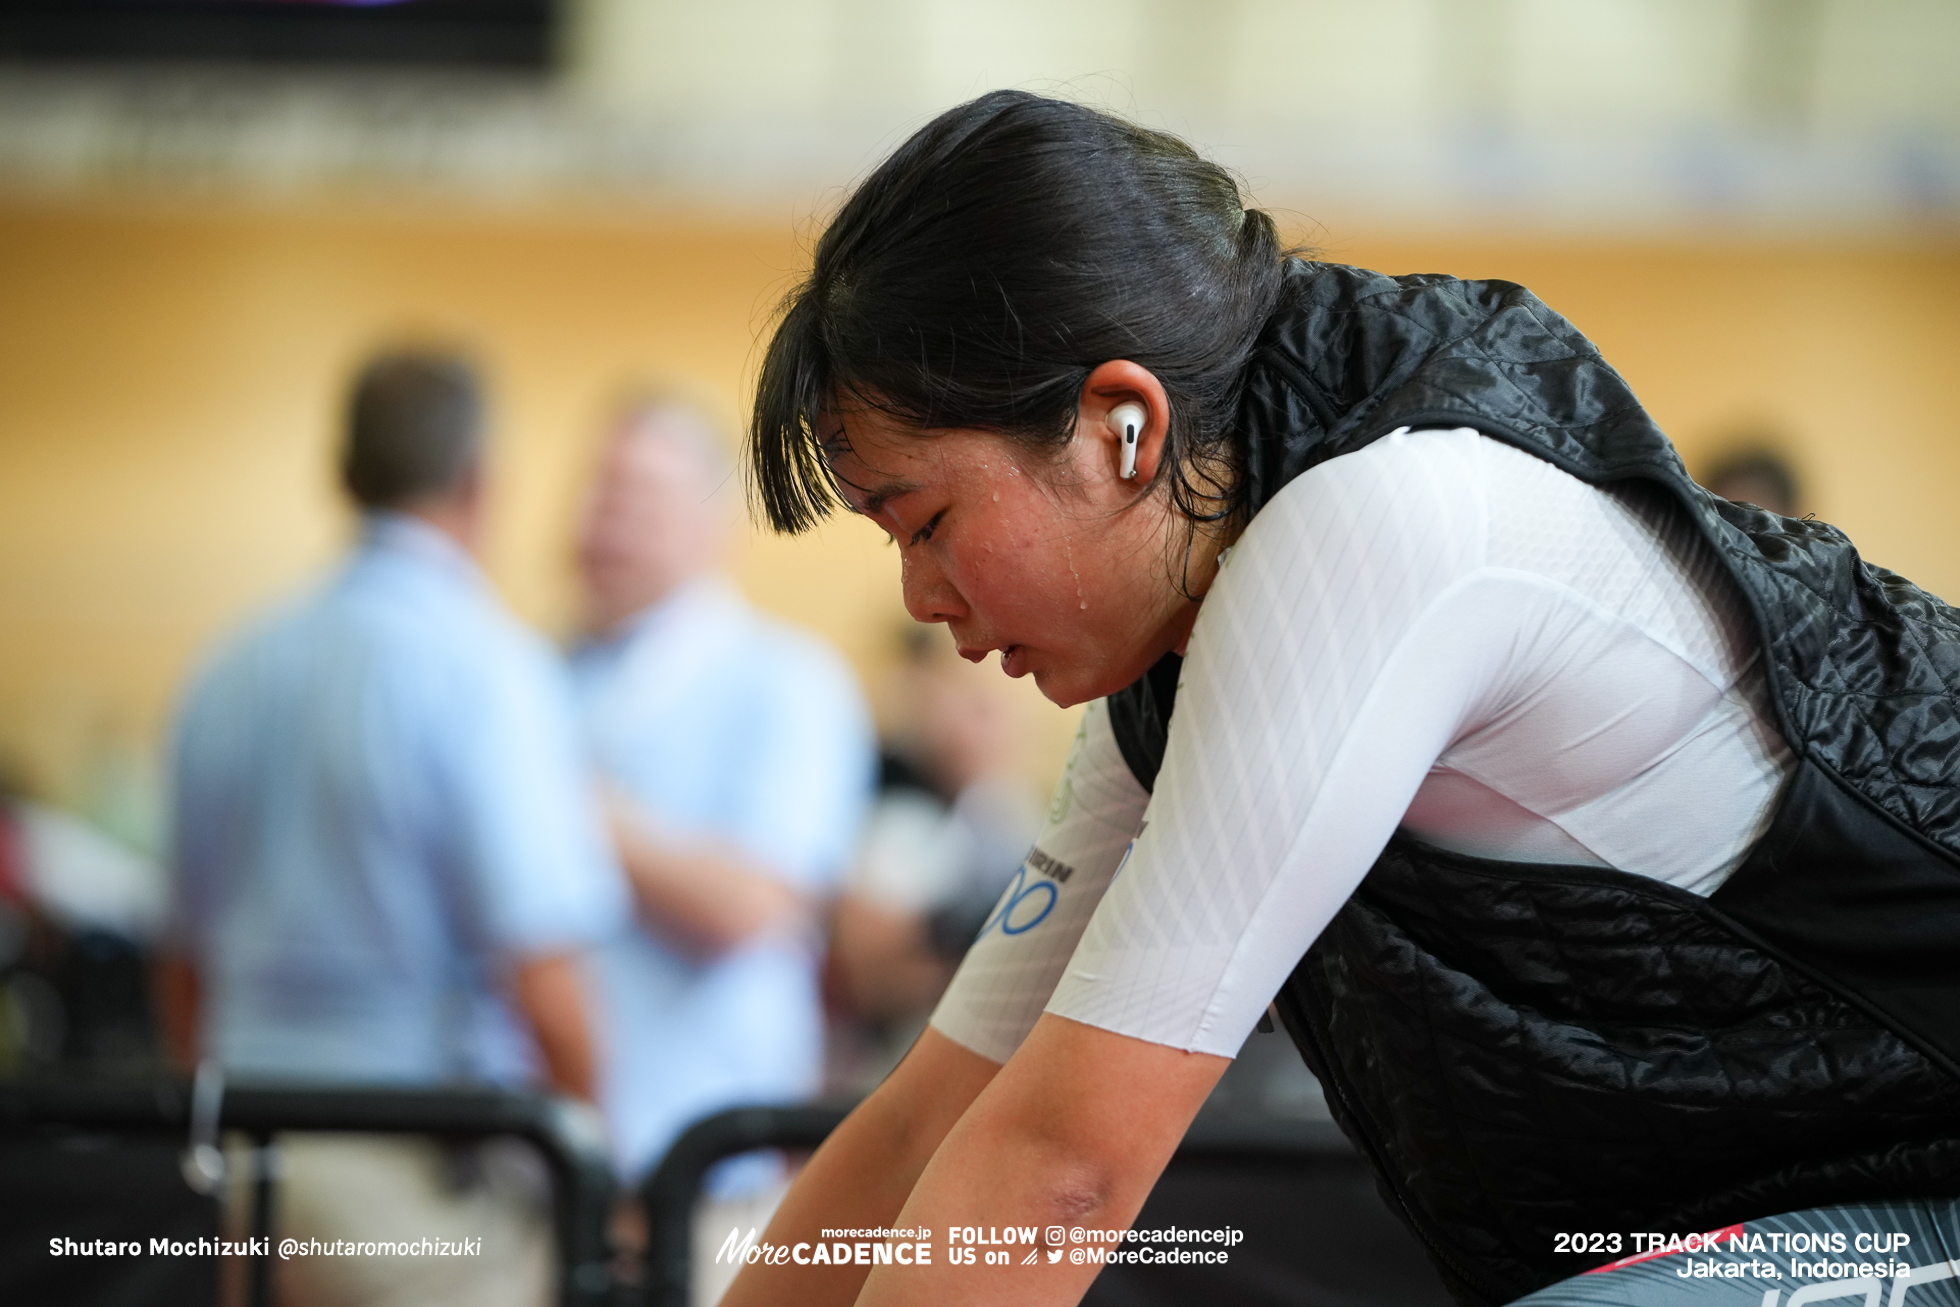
1116,382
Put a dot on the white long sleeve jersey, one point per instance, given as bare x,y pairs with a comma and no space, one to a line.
1438,632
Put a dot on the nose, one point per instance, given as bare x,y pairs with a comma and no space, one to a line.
930,595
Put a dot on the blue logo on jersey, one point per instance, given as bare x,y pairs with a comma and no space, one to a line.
1011,916
1128,849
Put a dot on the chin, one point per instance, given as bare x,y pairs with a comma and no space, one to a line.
1067,687
1056,692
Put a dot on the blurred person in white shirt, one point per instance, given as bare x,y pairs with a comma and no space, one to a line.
736,753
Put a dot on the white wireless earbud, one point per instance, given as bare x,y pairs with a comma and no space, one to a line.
1127,420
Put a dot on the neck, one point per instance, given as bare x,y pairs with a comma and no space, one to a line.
1195,572
607,616
454,516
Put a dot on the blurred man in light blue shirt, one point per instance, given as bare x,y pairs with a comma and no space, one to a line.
388,856
740,757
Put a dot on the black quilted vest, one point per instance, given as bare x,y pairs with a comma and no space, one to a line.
1526,1050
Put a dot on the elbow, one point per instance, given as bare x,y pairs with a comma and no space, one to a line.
1077,1192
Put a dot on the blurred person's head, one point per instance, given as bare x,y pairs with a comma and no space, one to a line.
653,520
414,440
1757,476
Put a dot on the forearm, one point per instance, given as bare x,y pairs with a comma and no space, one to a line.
1073,1132
552,998
864,1172
701,895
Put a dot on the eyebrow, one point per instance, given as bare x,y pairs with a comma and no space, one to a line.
875,502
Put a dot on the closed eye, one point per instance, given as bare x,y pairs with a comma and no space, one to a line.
925,532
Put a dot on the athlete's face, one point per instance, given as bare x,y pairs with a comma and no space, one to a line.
1055,564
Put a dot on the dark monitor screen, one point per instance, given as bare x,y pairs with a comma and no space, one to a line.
515,34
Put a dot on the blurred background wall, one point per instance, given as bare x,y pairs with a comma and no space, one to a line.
1753,206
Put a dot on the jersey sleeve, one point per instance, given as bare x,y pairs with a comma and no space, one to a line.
1333,661
1011,969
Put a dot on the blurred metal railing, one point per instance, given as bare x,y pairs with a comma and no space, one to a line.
670,1191
566,1134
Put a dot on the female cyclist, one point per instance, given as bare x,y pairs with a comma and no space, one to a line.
1595,839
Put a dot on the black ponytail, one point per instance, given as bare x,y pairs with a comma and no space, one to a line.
974,280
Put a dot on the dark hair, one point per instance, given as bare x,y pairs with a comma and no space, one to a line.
979,275
1766,467
414,428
